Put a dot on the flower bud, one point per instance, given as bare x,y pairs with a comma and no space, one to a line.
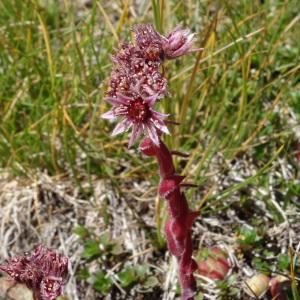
147,147
178,42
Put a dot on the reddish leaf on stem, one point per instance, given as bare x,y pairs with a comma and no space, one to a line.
179,223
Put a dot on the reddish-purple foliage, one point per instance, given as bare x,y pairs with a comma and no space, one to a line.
43,271
213,263
135,85
180,219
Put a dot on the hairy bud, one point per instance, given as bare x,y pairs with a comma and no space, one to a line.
178,42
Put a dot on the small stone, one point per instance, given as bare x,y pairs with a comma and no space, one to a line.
257,285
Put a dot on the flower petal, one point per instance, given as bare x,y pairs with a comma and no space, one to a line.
148,90
185,47
124,125
108,115
160,125
158,115
150,100
136,132
116,101
124,98
138,85
152,133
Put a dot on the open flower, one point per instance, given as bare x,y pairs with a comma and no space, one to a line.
137,112
136,83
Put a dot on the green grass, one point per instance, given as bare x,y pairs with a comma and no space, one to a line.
54,67
233,100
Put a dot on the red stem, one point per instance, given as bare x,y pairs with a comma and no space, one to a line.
36,295
180,218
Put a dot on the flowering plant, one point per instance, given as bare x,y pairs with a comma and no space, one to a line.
43,271
136,85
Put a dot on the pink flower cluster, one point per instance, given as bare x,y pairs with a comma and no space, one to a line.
136,82
43,271
135,86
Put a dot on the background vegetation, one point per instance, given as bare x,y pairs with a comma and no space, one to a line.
238,104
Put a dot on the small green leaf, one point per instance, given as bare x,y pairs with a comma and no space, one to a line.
91,249
199,296
151,282
232,279
108,170
81,231
117,249
84,273
248,236
105,239
283,262
127,277
141,270
261,265
101,283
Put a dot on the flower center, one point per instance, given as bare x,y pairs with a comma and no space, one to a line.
138,110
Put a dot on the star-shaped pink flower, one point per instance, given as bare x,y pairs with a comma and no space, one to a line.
137,112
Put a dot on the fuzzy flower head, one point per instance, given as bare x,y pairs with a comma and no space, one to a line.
150,81
132,68
178,42
149,41
137,81
137,113
43,271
